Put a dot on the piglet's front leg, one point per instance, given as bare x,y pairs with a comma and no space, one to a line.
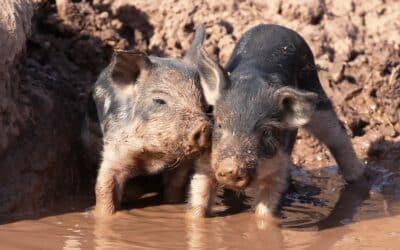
269,194
113,174
202,189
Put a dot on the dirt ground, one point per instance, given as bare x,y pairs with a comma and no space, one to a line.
355,43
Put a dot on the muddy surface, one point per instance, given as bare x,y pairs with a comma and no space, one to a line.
357,48
318,212
164,227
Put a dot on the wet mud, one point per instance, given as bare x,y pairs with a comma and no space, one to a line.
318,212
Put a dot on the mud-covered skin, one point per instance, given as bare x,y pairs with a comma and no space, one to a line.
152,116
271,90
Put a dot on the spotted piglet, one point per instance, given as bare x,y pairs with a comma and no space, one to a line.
152,116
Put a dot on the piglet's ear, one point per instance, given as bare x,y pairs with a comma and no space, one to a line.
212,77
297,106
127,66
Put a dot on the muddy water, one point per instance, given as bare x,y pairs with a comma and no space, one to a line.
317,213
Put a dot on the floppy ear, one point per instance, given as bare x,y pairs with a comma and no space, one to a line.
212,77
297,106
127,66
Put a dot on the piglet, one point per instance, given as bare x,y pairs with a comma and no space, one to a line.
268,89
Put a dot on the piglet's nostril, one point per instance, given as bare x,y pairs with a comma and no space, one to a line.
227,172
196,136
239,178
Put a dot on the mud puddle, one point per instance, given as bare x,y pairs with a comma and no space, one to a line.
318,212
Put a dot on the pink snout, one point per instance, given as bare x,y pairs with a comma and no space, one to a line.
234,176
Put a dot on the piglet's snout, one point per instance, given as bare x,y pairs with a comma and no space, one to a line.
200,137
232,175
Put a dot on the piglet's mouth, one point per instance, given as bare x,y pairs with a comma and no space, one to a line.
235,183
237,188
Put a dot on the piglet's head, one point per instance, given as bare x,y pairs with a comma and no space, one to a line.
162,101
254,125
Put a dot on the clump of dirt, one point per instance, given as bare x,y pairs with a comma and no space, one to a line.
355,43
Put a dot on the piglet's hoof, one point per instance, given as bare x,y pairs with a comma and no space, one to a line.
267,221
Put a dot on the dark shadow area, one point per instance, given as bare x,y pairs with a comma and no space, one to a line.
67,204
140,192
148,186
235,202
351,198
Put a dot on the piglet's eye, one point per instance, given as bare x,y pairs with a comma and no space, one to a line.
159,101
209,109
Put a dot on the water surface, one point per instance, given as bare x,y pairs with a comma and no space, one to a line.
317,213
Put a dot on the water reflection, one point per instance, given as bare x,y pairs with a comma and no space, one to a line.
104,235
241,231
72,242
